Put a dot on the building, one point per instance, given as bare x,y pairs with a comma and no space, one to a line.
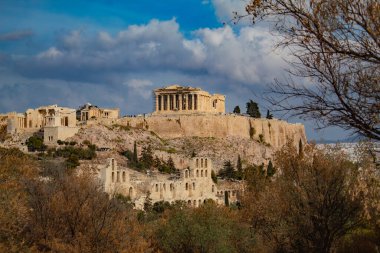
193,185
88,112
36,119
57,123
177,99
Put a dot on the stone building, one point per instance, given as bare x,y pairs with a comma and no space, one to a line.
193,185
88,112
36,119
177,99
57,123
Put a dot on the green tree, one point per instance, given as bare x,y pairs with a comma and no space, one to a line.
271,170
236,110
35,143
135,157
228,171
253,109
269,115
146,159
208,228
171,166
239,168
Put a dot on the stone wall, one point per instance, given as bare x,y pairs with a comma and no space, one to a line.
193,185
55,133
274,132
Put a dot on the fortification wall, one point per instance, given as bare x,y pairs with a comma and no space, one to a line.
275,132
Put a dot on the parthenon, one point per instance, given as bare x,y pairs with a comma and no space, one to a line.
176,99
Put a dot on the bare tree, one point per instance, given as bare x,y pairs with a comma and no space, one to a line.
334,67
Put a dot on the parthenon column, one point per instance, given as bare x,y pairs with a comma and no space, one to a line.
180,102
156,103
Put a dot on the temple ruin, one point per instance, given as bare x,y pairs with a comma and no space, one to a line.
177,99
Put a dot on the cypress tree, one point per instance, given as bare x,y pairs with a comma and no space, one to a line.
270,169
134,157
239,168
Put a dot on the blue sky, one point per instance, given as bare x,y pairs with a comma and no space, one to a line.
114,53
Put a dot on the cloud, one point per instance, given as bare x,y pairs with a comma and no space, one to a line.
16,35
143,87
128,64
225,9
242,56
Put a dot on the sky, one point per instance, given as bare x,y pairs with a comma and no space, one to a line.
113,53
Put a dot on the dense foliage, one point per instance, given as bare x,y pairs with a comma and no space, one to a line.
319,202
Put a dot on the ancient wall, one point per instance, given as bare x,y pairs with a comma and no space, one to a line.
194,185
274,132
55,133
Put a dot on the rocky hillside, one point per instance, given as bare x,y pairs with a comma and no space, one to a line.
119,138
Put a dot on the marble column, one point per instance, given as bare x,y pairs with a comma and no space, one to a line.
157,103
180,102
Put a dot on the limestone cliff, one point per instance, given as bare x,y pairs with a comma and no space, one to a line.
273,132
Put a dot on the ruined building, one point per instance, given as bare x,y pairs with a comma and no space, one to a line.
57,123
193,184
88,112
177,99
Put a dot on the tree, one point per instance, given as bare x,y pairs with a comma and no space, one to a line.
270,169
146,159
335,45
228,171
239,168
269,115
134,157
236,110
253,109
313,203
35,143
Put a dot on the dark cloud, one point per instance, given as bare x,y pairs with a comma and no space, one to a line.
16,35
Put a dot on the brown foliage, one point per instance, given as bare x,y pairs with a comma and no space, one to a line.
72,214
313,203
336,46
15,169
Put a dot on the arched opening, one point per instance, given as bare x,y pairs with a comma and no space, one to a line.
193,186
187,186
205,173
206,163
156,187
194,202
130,192
189,202
201,173
171,187
199,202
123,176
197,163
212,188
113,163
113,177
164,186
118,177
226,200
186,173
197,173
202,163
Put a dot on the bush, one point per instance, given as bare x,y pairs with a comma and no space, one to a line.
35,143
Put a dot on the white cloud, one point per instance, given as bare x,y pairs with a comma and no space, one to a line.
51,53
142,87
224,9
143,57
